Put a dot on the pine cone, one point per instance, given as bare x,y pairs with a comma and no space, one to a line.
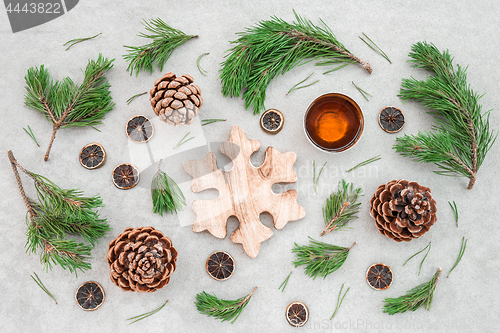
141,259
175,100
403,210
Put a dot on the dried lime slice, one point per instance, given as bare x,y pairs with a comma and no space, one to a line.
379,276
220,265
90,296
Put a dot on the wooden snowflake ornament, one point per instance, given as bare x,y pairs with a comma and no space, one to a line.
244,192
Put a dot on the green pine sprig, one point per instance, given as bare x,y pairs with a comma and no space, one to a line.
164,41
40,284
67,104
419,296
198,64
341,207
320,259
296,87
56,214
284,283
184,140
462,134
166,194
131,99
428,247
273,47
460,255
31,135
339,301
364,93
455,211
79,40
368,161
375,47
147,314
213,306
316,179
210,121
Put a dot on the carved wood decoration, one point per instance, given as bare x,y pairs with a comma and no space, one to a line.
244,192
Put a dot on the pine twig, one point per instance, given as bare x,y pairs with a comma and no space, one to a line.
211,305
164,41
184,140
79,40
368,161
455,210
32,136
273,47
198,64
166,194
339,300
66,104
283,285
210,121
419,296
362,92
461,136
375,47
320,259
130,100
316,179
341,207
57,214
295,87
147,314
460,255
40,284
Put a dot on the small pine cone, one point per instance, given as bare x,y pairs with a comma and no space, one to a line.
141,259
175,99
403,210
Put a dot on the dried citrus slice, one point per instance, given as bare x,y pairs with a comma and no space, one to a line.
125,176
272,121
297,314
379,276
220,265
139,129
90,296
92,156
391,119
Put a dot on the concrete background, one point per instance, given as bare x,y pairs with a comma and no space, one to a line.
465,302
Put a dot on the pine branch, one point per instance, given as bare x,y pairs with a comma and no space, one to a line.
164,41
462,136
272,48
212,306
56,214
419,296
320,259
66,104
341,207
166,194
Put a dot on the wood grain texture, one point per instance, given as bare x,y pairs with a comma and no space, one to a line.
244,192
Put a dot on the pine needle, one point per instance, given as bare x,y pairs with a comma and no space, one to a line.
428,247
362,92
341,207
283,285
375,47
32,136
460,254
419,296
368,161
339,300
320,259
295,86
79,40
135,96
198,64
184,140
147,314
166,194
273,47
316,179
40,284
455,210
212,306
210,121
462,135
164,41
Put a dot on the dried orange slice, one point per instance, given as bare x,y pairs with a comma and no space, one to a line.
139,129
297,314
125,176
92,156
272,121
90,296
220,265
379,276
391,119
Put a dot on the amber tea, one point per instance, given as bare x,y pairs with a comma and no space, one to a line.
333,122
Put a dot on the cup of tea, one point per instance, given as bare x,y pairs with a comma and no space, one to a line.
333,122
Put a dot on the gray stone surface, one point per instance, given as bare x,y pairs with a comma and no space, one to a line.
465,302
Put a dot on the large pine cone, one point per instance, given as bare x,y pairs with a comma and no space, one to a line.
403,210
175,100
141,259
